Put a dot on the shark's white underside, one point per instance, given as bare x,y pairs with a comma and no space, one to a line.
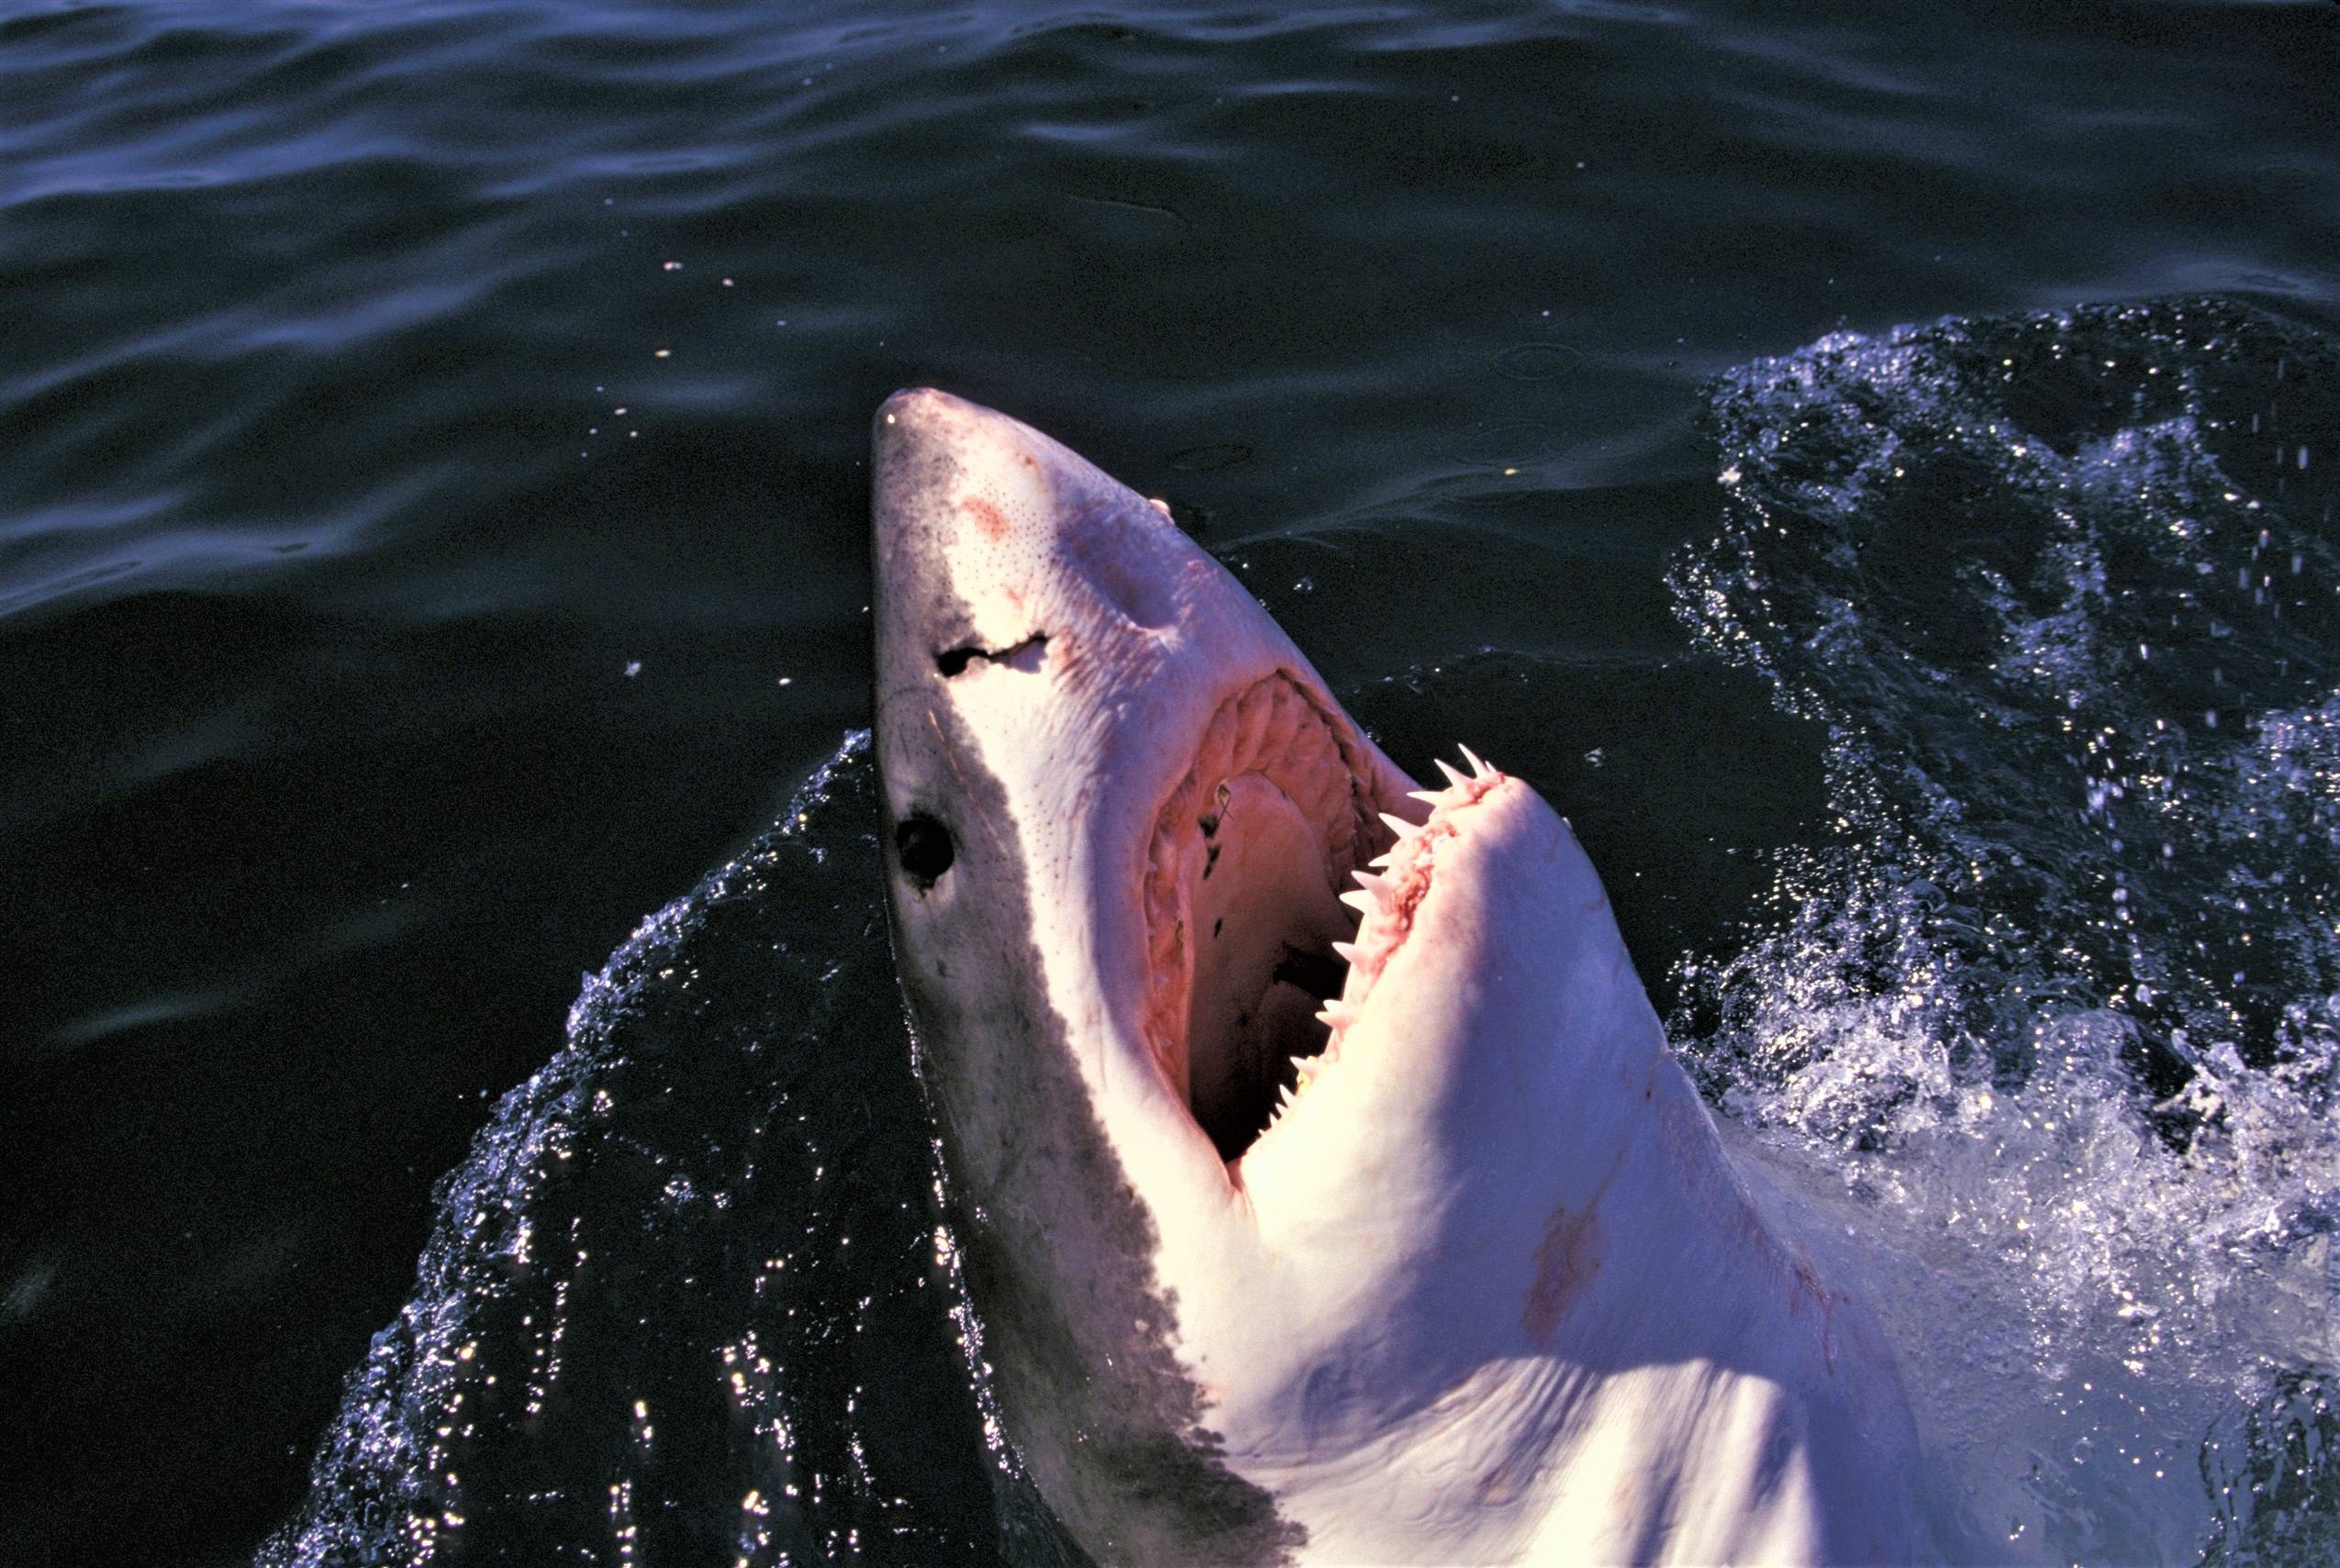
1471,1280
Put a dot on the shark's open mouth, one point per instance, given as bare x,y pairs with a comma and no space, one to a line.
1251,850
1256,969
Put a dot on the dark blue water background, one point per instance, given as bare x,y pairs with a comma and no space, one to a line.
432,532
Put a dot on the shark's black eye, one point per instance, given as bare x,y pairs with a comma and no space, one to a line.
923,846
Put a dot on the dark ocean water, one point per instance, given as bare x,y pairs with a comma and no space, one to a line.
1874,466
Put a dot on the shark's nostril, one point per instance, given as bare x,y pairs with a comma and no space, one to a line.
1025,656
923,846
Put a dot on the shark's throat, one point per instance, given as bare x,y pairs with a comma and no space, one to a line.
1251,850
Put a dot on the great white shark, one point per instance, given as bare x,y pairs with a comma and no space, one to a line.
1327,1191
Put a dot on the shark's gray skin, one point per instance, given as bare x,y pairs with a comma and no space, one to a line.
1300,1234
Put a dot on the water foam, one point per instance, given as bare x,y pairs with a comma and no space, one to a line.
2047,1022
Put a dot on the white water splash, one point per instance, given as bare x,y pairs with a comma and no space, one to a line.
2046,1023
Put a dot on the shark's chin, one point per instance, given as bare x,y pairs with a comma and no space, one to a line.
1251,849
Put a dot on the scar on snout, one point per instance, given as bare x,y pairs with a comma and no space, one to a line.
1565,1260
988,517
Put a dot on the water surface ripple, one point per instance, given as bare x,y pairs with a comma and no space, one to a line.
432,533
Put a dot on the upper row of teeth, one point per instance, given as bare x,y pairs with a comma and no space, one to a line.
1375,892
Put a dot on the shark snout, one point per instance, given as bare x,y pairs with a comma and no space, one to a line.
991,535
955,477
916,414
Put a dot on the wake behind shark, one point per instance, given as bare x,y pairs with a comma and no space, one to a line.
1328,1193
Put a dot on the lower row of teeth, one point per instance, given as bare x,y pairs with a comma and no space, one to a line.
1377,894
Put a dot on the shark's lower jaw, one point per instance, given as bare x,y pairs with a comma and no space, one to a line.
1251,851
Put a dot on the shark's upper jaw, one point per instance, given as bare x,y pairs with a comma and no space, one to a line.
1251,849
1152,726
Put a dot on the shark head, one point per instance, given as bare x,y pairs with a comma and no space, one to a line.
1179,797
1285,1101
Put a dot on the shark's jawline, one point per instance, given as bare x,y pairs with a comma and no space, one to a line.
1327,1190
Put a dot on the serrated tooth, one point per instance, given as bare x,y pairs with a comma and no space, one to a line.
1433,798
1453,778
1478,770
1336,1013
1380,886
1383,860
1400,825
1362,902
1348,951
